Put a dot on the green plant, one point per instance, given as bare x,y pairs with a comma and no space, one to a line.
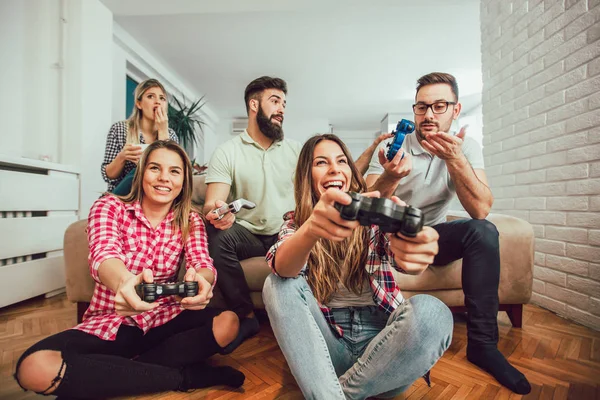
183,120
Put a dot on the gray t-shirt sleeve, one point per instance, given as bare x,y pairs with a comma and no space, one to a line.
220,168
375,167
472,151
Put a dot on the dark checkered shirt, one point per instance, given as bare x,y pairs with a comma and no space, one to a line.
380,261
115,141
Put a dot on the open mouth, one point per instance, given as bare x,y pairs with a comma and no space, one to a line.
278,118
334,184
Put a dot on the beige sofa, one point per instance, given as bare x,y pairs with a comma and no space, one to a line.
516,274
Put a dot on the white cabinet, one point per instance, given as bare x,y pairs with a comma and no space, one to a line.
38,200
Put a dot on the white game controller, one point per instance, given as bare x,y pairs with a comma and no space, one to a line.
233,207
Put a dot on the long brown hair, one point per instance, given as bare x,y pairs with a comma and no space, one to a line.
133,122
182,205
328,259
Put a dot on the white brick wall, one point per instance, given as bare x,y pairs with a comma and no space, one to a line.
541,135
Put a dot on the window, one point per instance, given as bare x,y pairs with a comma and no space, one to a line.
129,91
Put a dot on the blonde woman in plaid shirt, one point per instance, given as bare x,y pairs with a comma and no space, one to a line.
125,346
337,313
148,122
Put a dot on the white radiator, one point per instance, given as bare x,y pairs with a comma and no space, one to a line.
38,201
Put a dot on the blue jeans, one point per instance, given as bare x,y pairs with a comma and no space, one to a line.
379,355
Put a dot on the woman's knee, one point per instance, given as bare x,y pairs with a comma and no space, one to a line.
225,327
434,316
38,370
277,291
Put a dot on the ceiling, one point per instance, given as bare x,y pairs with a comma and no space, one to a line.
344,60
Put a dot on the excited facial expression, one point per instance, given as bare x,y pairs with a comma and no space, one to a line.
152,99
163,177
430,122
269,116
330,169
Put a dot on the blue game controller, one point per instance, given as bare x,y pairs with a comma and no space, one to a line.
403,128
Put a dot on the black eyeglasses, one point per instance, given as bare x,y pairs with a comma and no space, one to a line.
439,107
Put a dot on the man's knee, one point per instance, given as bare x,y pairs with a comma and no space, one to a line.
37,371
484,229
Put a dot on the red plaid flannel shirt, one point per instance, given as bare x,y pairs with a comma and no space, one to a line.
380,261
120,230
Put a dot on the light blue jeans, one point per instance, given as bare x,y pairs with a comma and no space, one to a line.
379,355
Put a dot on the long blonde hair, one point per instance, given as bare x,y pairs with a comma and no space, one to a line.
182,205
133,122
328,259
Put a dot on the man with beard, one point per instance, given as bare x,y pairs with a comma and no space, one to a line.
257,165
436,166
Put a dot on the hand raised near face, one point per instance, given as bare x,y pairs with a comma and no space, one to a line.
444,145
161,122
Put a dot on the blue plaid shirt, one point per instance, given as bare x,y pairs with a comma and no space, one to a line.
380,261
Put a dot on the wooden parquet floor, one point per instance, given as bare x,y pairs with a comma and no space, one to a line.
561,359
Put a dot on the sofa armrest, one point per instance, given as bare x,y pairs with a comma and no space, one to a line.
516,254
198,189
79,282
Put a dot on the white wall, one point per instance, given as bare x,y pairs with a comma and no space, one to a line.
119,91
12,54
357,140
131,58
88,73
29,78
62,95
473,118
541,108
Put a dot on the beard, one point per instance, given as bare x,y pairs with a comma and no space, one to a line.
268,128
438,128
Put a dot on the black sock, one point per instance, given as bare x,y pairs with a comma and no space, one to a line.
490,359
203,375
248,328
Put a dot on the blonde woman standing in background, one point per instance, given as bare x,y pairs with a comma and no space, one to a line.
126,140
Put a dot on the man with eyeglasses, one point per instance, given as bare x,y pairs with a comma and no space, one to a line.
432,166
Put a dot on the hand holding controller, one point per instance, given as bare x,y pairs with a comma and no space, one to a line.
234,207
403,128
390,216
150,292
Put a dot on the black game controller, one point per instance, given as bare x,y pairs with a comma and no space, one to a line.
150,292
390,216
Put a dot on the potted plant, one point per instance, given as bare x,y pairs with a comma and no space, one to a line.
183,120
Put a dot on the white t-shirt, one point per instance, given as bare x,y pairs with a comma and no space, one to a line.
428,186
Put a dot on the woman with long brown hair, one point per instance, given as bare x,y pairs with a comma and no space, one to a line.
127,139
342,323
126,346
